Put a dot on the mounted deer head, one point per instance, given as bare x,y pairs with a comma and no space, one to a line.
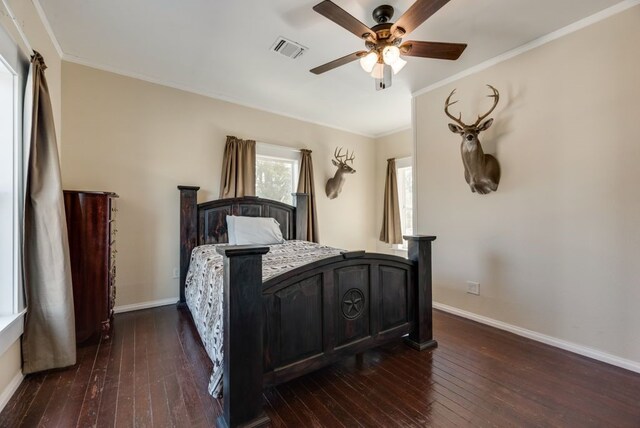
334,185
481,171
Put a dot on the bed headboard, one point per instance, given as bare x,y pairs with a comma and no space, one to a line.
206,223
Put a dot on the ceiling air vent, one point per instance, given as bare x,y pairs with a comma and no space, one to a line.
288,48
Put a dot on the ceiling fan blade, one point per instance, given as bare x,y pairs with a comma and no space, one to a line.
338,62
335,13
435,50
419,12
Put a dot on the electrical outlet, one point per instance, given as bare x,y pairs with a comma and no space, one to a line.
176,272
473,288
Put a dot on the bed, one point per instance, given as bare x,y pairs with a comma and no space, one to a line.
305,307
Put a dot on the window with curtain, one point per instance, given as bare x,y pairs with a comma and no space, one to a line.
277,171
404,173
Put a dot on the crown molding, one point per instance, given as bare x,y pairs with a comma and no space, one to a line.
47,27
92,64
393,131
565,31
88,63
590,20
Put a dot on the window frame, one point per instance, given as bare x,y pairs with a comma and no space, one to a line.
401,163
15,63
280,153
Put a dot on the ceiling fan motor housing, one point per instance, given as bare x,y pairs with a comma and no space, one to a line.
383,31
382,14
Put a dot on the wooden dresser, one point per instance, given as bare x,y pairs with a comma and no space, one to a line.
92,229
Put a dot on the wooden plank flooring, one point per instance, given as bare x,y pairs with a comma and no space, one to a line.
154,373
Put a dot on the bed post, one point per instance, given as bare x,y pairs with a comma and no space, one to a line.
242,337
302,215
421,337
188,231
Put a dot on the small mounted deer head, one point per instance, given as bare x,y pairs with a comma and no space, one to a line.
481,171
334,185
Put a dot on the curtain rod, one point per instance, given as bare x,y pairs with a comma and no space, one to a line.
18,27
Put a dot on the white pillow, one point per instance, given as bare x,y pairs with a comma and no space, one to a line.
231,230
254,231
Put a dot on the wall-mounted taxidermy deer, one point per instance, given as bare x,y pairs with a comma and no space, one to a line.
334,185
481,171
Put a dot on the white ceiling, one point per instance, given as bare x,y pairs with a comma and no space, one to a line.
222,49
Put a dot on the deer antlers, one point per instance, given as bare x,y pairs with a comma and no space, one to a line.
448,103
496,98
343,159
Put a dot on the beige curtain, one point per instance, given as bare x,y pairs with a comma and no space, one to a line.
391,231
238,168
49,339
305,185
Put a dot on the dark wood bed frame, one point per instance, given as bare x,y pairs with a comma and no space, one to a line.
308,317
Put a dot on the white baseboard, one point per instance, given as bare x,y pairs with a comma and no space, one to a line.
549,340
145,305
10,389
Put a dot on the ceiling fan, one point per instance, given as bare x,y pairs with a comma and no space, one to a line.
384,40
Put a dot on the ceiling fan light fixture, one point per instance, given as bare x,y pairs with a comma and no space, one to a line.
384,79
390,54
369,61
378,70
384,47
398,65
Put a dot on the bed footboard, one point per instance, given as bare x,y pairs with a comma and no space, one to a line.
315,315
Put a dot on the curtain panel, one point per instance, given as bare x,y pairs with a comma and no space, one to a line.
391,232
49,339
238,168
305,185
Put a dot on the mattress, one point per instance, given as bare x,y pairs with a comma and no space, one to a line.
204,290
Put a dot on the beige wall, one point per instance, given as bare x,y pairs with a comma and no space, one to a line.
34,30
556,248
141,140
397,145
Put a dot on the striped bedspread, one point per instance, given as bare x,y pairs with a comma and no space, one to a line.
204,289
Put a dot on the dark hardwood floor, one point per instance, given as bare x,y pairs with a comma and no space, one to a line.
154,372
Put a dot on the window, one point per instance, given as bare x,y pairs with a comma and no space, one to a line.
12,72
404,172
8,191
276,172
